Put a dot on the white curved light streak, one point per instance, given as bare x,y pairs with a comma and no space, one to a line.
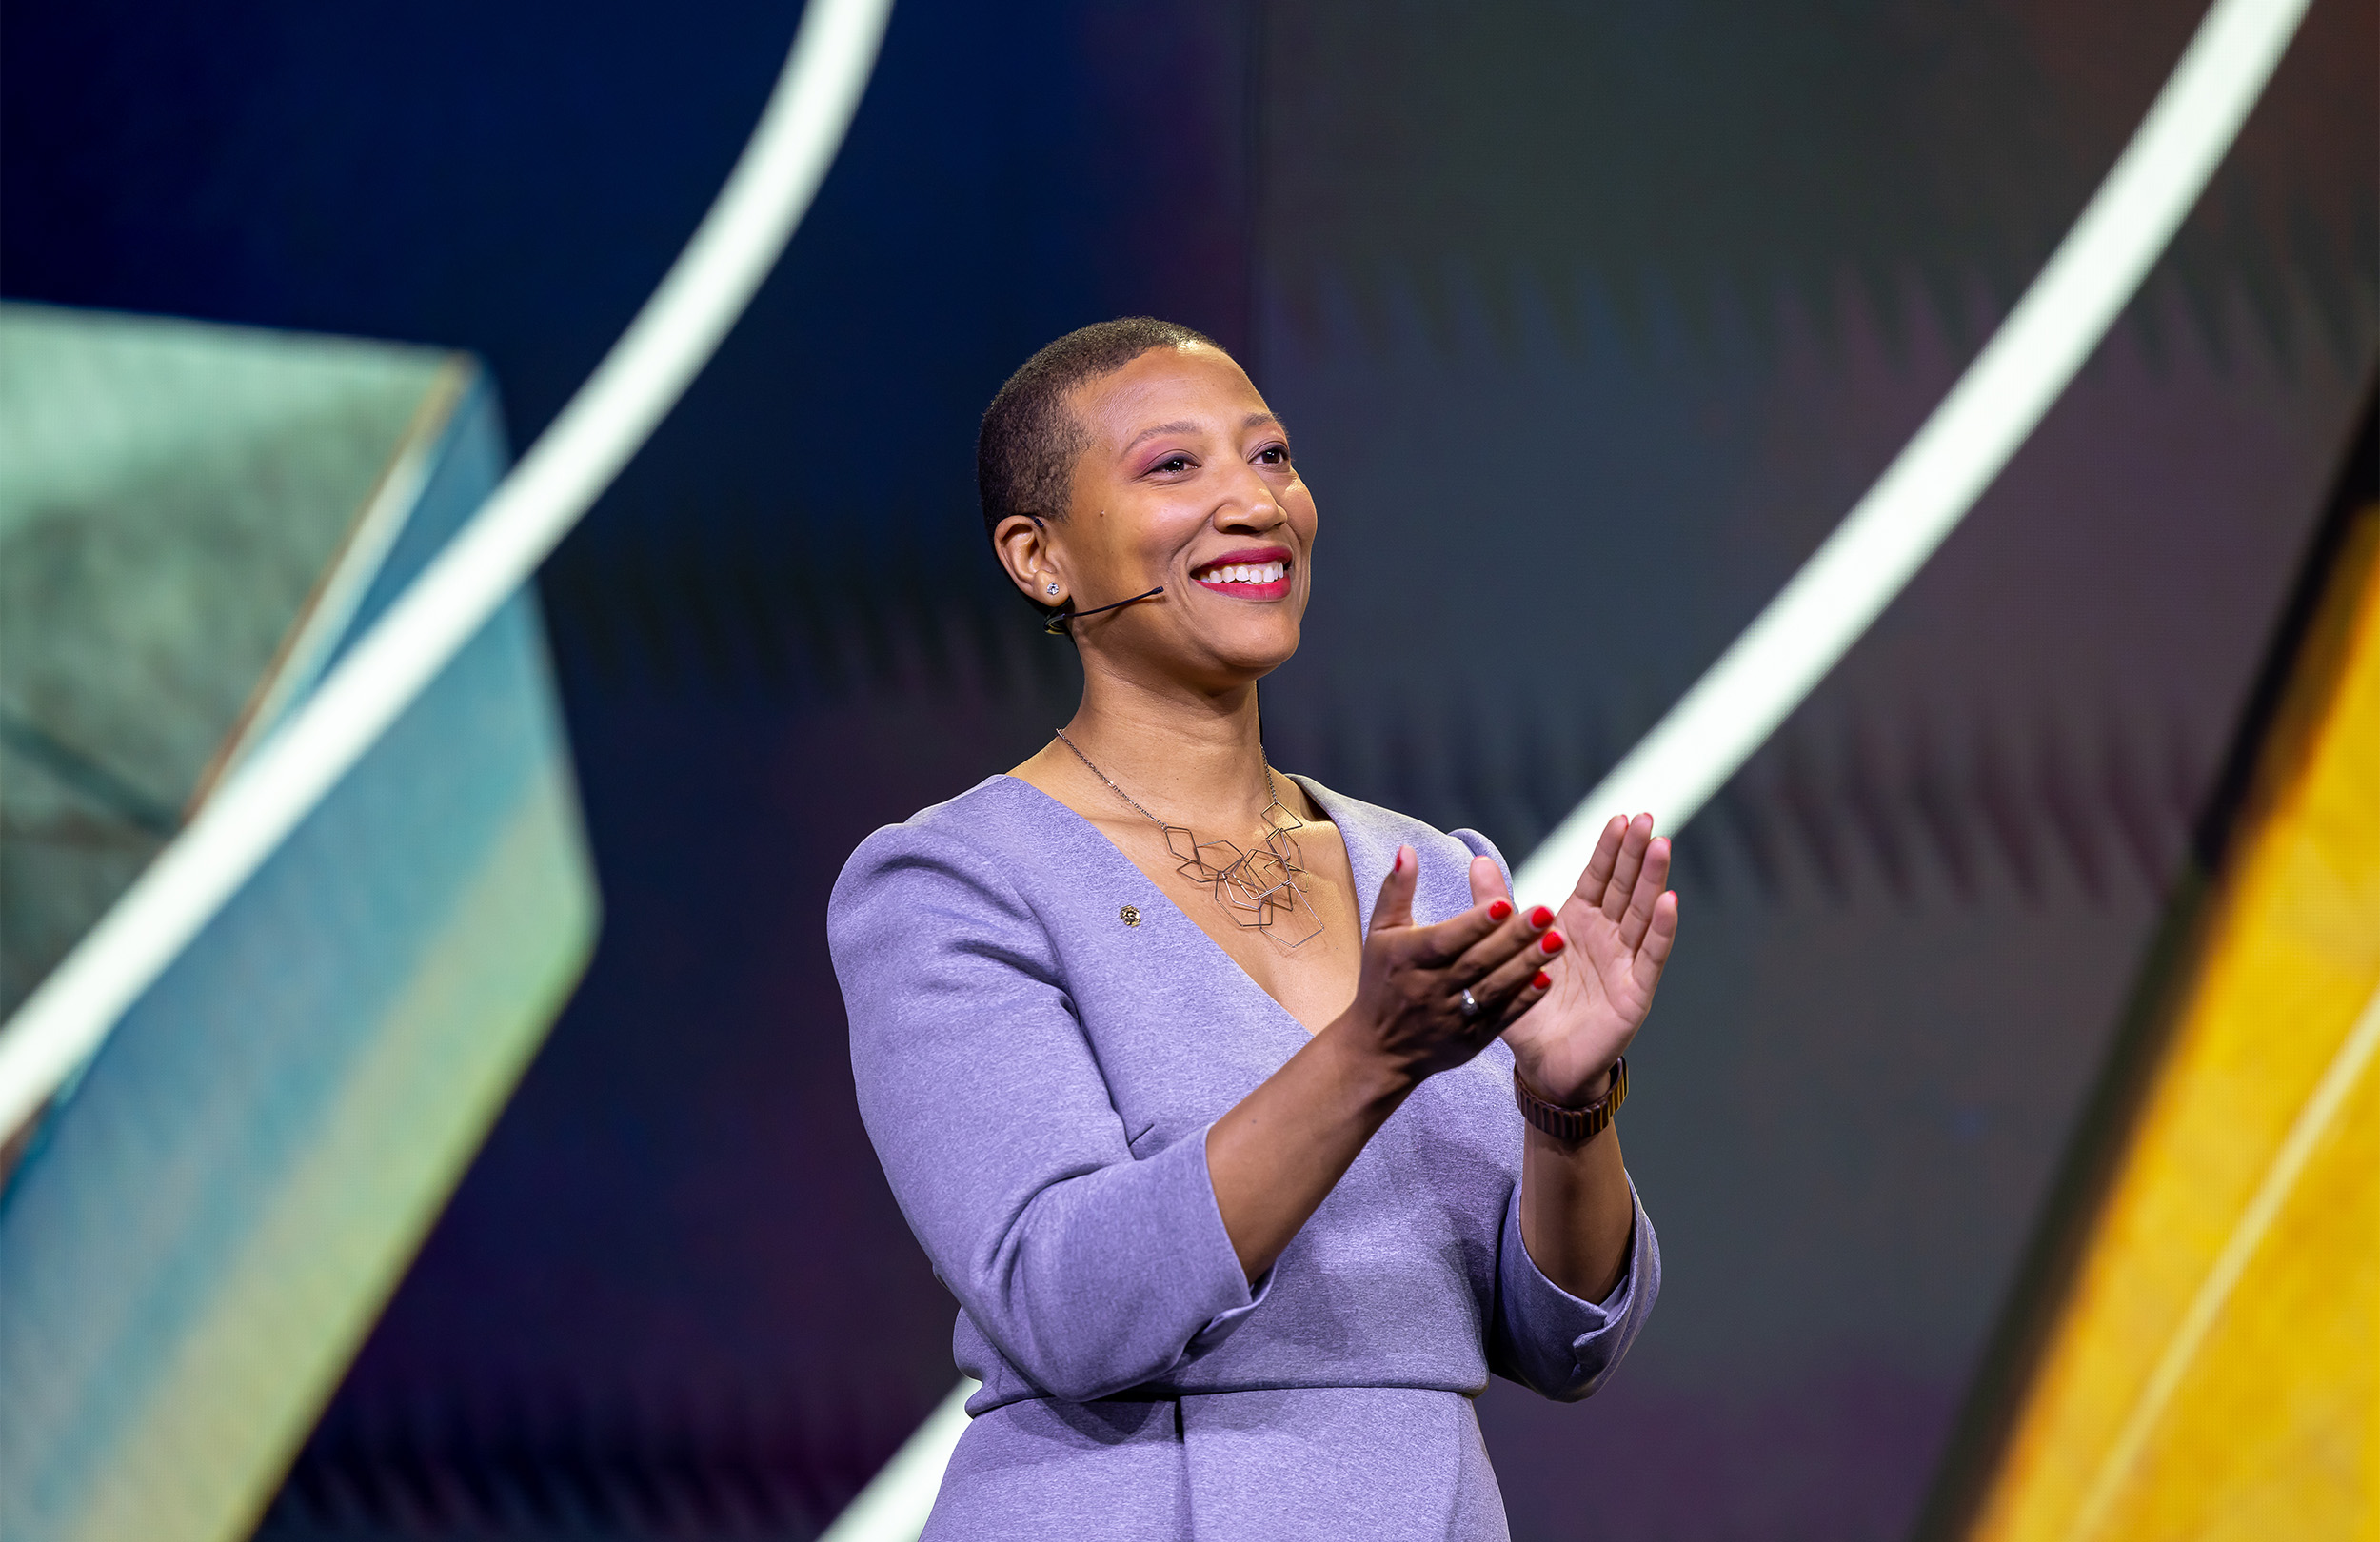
894,1506
2296,1149
70,1013
1789,647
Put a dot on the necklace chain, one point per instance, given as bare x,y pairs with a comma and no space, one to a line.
1270,791
1262,889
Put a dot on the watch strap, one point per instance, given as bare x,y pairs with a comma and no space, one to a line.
1573,1124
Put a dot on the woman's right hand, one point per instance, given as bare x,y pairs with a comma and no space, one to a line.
1408,1006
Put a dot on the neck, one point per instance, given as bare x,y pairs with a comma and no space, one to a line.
1190,756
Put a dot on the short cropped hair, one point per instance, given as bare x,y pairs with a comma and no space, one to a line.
1025,452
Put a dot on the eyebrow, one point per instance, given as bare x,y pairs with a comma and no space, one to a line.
1184,426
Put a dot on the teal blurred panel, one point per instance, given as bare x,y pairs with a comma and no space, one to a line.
184,508
205,1230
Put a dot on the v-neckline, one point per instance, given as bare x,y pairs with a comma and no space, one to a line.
1366,867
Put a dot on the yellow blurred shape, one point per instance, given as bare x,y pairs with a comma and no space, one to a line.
2214,1372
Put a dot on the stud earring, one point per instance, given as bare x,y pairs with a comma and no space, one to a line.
1053,588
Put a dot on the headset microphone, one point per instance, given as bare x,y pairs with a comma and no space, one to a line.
1056,625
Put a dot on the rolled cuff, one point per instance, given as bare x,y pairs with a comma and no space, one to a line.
1219,1326
1551,1341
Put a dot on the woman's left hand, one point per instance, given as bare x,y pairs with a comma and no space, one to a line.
1621,922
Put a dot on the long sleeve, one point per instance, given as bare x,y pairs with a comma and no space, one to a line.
1088,1269
1551,1342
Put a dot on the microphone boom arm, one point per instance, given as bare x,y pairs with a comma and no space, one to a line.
1056,625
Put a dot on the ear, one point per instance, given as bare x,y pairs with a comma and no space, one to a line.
1023,546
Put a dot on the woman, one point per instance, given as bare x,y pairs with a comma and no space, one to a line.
1252,1125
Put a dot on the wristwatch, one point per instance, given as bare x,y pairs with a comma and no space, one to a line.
1573,1124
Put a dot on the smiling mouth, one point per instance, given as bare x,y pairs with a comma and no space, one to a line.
1241,574
1265,579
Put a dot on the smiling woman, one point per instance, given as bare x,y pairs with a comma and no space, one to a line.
1129,1024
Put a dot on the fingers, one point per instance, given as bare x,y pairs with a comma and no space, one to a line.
1487,881
1451,939
1632,844
1494,949
1516,984
1650,883
1660,937
1598,874
1519,937
1394,906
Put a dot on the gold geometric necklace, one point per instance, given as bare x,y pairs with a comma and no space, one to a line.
1263,890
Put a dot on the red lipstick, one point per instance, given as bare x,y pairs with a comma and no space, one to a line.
1241,575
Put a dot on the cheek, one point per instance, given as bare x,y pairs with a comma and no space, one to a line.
1165,529
1299,500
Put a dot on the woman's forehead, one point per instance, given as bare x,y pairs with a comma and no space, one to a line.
1179,390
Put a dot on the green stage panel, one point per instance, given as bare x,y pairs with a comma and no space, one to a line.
179,502
200,1233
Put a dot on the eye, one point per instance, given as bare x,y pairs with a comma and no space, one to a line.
1173,464
1273,455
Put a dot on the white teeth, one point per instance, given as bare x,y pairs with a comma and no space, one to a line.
1247,573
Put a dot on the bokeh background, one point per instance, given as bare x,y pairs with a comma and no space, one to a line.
1589,323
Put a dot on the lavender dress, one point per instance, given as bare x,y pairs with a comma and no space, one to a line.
1038,1077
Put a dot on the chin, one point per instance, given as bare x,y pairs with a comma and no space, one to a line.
1257,649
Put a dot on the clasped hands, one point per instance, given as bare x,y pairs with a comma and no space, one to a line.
1566,989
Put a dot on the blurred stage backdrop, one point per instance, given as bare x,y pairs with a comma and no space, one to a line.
1589,320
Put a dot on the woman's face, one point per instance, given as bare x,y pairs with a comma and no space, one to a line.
1188,481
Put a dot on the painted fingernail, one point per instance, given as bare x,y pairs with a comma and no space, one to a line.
1544,982
1398,866
1540,917
1499,910
1551,941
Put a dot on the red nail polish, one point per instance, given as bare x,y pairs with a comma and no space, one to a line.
1551,941
1541,917
1499,910
1544,982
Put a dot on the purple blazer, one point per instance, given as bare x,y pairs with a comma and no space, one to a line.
1038,1077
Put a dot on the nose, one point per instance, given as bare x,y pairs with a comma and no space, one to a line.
1250,503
